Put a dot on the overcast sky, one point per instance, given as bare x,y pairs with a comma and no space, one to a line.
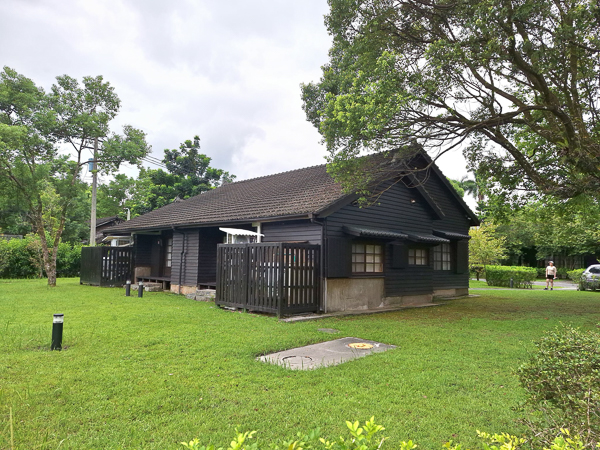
228,71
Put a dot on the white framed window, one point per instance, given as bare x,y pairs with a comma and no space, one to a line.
442,257
169,252
367,258
418,257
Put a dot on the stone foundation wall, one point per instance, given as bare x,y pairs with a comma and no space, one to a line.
184,289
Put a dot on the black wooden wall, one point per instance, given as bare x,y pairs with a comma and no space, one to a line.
207,254
292,231
185,263
394,210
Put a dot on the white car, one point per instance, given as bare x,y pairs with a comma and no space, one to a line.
592,273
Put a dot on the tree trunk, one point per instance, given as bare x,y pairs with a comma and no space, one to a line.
48,255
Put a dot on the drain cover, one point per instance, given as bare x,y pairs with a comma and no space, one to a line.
361,345
297,361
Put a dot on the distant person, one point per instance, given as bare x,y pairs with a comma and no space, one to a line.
550,275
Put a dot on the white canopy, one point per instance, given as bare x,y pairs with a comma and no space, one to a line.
238,232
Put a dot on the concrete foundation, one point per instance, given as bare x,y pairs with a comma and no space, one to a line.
456,292
184,289
356,294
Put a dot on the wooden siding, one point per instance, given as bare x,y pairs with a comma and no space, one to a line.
292,231
394,211
207,254
143,249
188,241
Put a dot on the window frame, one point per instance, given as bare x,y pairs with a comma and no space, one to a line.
365,253
412,256
443,260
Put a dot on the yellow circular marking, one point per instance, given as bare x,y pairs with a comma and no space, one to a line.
361,345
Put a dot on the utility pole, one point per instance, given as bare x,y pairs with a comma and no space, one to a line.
94,187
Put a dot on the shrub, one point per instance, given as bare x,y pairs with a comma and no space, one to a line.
575,275
562,384
22,258
501,275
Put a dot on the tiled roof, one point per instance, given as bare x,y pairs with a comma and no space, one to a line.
294,193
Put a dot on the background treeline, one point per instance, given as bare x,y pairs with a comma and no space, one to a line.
187,173
22,258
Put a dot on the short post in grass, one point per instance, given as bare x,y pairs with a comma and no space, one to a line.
128,288
140,289
512,283
57,332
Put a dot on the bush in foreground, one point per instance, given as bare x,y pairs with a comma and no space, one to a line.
562,384
368,437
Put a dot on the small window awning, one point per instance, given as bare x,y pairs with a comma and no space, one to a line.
374,232
427,239
451,235
240,232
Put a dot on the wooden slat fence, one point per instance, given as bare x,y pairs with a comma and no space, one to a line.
106,266
278,278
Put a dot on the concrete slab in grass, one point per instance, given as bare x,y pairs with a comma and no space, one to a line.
325,354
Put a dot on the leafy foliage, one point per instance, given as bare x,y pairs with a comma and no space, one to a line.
363,438
485,247
562,384
515,82
551,226
22,258
32,126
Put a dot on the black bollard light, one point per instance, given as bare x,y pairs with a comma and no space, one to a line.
512,283
57,332
128,288
140,289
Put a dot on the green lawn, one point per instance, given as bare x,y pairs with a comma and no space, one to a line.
148,373
483,284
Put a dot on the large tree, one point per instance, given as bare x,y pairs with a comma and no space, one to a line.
514,82
44,138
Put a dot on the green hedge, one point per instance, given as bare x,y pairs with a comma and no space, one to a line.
575,275
501,275
22,258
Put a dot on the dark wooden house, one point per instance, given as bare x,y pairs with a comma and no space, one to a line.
409,246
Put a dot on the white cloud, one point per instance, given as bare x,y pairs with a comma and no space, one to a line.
227,71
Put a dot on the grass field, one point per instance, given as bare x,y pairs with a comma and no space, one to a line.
149,373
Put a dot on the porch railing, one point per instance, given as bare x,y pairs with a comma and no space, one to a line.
278,278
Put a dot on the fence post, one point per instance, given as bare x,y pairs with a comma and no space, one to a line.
246,274
280,278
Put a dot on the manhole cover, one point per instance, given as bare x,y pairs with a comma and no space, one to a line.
297,361
360,345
